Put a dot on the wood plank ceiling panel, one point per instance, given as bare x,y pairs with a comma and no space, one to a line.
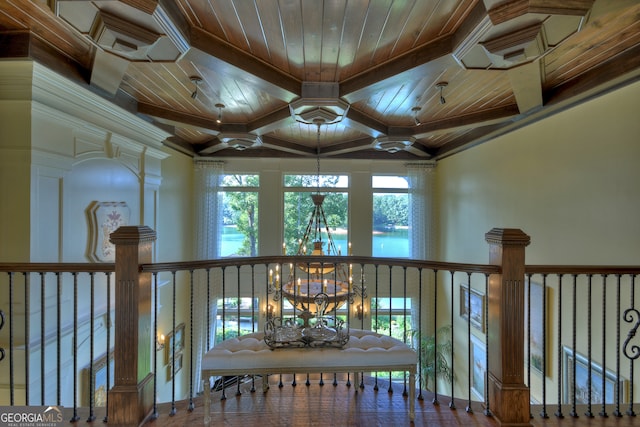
385,56
41,21
271,28
354,15
602,38
333,26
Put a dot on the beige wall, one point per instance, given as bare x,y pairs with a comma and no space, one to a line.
570,181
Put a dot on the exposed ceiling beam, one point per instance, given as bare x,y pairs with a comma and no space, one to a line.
347,147
509,10
189,121
285,146
430,58
468,121
364,123
224,58
271,121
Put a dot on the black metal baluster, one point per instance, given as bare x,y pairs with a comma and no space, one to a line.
470,363
419,346
390,389
435,335
404,330
92,297
191,404
603,411
75,346
375,385
632,289
253,316
362,294
27,334
573,412
616,387
173,346
238,320
208,309
528,337
543,413
58,339
558,413
154,415
75,416
108,372
452,403
42,337
589,413
487,410
11,352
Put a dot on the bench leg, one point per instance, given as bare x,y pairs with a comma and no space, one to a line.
412,396
265,383
207,401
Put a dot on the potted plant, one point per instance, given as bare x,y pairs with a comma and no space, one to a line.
435,351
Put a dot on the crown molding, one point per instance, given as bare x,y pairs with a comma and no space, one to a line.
31,81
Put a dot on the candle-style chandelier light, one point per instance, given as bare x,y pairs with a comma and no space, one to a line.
322,275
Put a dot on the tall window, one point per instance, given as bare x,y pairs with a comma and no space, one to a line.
390,236
298,208
239,201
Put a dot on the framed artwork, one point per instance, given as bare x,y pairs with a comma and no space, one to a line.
174,367
479,367
99,380
537,318
582,381
105,218
475,311
176,335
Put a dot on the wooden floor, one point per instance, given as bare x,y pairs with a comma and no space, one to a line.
327,405
330,405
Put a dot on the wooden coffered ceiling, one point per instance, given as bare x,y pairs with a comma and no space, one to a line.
394,79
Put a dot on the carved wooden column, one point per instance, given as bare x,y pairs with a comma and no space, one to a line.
131,398
508,394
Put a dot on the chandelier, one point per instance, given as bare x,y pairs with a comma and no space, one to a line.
307,280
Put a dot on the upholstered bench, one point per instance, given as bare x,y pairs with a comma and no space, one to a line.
366,351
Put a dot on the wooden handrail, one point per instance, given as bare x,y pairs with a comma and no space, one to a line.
581,269
57,267
281,259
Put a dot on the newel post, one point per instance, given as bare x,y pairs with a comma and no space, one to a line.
508,394
131,398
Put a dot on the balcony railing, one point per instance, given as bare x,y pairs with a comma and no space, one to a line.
61,327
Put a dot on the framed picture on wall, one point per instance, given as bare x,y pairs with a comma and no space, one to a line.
581,374
97,378
174,367
105,218
472,307
176,336
479,367
534,334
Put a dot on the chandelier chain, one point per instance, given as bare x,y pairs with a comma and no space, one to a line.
318,159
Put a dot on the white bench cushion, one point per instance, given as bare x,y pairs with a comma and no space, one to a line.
365,349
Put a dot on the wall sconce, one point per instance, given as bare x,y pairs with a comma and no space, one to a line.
159,342
360,311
